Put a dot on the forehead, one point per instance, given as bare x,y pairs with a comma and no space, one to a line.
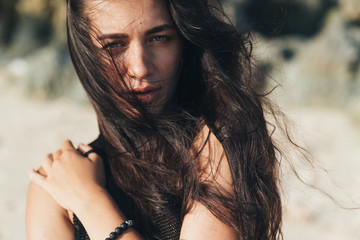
119,15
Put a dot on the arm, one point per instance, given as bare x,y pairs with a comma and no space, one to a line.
75,184
45,218
71,182
200,223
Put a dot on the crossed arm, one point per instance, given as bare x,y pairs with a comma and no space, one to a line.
69,182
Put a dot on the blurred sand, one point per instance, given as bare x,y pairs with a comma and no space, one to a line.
334,143
30,129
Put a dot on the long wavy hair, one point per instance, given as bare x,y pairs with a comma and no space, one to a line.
152,157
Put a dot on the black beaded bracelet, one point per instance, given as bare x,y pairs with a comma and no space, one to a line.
119,230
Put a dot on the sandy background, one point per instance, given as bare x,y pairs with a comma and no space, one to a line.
30,129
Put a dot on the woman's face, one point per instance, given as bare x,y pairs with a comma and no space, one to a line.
141,34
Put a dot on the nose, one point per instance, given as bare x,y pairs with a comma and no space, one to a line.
139,63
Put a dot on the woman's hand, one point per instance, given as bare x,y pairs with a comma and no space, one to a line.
70,178
76,183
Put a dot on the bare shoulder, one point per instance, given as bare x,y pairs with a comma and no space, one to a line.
212,159
45,219
200,222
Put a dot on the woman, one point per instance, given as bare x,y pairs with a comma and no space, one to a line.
184,148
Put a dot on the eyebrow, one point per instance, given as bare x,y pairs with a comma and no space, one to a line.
159,29
153,30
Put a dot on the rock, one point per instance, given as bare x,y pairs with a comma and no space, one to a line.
322,70
37,58
351,9
44,75
277,18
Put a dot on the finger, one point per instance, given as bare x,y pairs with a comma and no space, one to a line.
37,178
67,145
88,152
47,162
57,154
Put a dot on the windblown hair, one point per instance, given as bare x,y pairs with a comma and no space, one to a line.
152,156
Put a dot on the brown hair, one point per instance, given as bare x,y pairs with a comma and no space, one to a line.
150,155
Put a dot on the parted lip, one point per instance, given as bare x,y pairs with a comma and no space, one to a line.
146,94
146,89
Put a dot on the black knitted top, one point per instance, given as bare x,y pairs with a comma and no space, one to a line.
168,226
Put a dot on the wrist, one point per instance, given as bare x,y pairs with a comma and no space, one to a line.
100,215
96,198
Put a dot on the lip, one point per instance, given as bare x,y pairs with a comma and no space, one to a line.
147,94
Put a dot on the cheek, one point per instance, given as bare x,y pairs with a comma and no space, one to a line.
173,72
174,64
169,63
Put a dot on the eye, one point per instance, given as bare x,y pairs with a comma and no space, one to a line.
113,45
160,38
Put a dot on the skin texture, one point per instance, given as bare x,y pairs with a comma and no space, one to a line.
68,181
146,42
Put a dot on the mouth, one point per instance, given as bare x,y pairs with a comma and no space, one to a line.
146,95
